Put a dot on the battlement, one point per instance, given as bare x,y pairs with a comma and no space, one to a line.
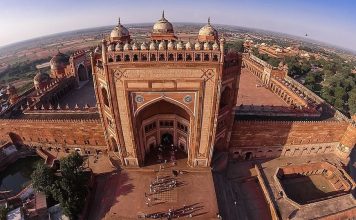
311,122
163,56
49,109
163,52
50,121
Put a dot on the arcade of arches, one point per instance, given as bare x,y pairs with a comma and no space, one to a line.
163,127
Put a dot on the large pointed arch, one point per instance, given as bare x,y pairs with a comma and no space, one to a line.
165,99
163,118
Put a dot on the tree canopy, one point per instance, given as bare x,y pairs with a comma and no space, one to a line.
68,186
237,46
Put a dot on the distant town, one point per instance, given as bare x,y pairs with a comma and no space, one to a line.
312,63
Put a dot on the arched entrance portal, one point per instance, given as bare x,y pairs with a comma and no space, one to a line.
164,132
82,73
166,139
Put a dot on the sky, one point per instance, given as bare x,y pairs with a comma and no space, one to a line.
331,21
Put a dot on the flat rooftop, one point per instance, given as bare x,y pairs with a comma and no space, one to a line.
252,92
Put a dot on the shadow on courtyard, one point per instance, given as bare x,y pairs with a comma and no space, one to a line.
315,188
193,210
105,199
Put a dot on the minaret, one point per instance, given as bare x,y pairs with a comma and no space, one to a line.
103,50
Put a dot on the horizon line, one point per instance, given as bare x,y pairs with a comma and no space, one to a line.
183,22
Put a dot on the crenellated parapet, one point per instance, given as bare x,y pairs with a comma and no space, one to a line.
58,109
163,52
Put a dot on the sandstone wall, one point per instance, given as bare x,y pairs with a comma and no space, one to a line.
275,133
56,133
270,139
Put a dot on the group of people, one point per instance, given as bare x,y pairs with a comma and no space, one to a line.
185,211
162,149
161,184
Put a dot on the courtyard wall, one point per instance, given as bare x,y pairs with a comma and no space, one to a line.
87,134
285,138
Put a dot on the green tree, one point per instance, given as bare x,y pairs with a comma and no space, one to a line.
72,190
67,187
340,94
237,46
352,101
43,179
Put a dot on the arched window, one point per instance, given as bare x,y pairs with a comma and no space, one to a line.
143,57
180,57
135,57
153,57
104,95
189,57
118,58
161,57
206,57
127,57
197,57
170,57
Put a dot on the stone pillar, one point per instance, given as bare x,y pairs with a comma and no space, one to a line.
104,50
348,140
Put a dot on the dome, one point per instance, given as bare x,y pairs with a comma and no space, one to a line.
170,45
180,45
111,47
162,45
197,46
207,33
206,46
41,77
127,46
134,46
144,46
118,47
188,46
215,46
162,26
119,31
59,60
152,46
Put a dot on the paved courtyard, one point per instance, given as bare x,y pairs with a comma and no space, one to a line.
314,187
123,195
251,91
82,96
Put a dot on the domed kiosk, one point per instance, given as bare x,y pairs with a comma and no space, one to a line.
58,64
41,80
163,30
120,33
207,33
